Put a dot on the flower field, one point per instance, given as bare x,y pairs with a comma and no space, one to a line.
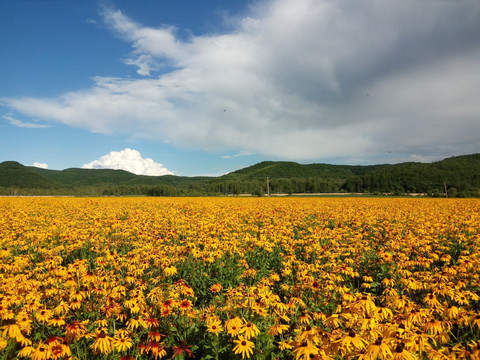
234,278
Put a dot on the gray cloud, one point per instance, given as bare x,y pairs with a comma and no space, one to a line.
297,79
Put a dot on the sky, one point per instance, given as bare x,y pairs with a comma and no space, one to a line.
207,87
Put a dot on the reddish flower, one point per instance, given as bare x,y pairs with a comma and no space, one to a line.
178,350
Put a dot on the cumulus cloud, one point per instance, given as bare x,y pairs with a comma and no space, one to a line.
40,165
296,79
129,160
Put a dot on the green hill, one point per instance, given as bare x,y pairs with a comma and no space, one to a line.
14,174
460,175
84,177
288,169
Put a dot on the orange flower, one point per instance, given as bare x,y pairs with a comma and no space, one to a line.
185,304
215,288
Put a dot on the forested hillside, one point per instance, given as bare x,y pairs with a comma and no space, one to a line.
459,175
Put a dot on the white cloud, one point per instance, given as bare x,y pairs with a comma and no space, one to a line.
23,124
240,154
296,79
129,160
40,165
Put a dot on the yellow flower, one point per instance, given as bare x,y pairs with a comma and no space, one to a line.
26,351
43,315
75,330
42,352
305,318
243,346
379,349
249,330
215,327
12,331
234,326
101,323
277,329
304,350
352,342
170,271
103,343
282,345
3,343
388,282
401,354
56,322
122,343
435,327
475,321
135,322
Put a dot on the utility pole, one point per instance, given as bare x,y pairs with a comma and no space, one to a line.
268,188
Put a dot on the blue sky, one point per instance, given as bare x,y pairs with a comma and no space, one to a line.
208,87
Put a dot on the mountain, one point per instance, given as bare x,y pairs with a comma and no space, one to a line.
459,174
14,174
288,169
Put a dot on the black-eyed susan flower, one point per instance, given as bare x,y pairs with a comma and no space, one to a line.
378,349
42,352
75,330
243,346
352,342
214,327
122,343
233,326
135,322
400,353
27,351
12,331
155,336
304,349
475,321
151,322
43,315
170,271
249,330
156,349
216,288
56,321
185,305
103,343
59,350
304,318
277,329
284,345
